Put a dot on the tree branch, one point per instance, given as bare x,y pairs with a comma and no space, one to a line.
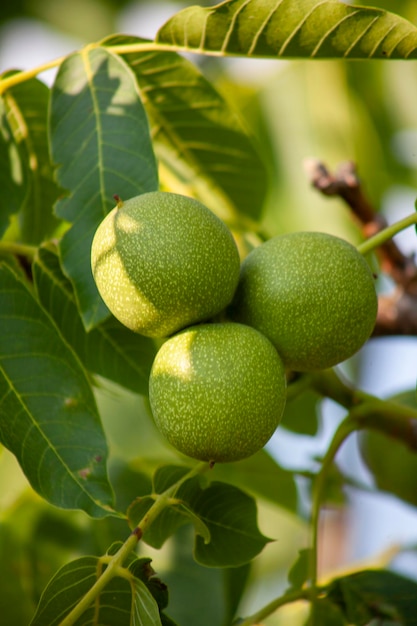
397,312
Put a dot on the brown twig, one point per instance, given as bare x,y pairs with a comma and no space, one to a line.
397,312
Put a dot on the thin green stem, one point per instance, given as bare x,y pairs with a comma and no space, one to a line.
116,562
387,233
20,249
20,77
345,428
268,609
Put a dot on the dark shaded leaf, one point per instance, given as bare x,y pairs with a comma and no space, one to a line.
328,614
13,172
298,574
375,594
392,464
48,416
27,105
230,516
224,519
235,581
261,475
110,350
16,605
137,599
302,412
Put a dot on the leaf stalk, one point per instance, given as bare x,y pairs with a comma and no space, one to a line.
18,249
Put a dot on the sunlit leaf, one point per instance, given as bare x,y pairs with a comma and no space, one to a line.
110,349
197,135
102,147
27,104
48,416
288,29
13,174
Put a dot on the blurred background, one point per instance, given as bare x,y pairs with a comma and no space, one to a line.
363,112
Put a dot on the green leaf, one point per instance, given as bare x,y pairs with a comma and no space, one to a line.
298,574
13,174
164,526
15,603
224,519
172,517
328,614
230,516
70,584
167,475
287,29
235,582
301,413
393,465
198,137
101,144
67,587
378,594
197,594
144,608
110,350
261,475
27,105
48,416
135,600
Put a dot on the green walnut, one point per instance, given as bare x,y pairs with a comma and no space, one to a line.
312,294
162,261
217,391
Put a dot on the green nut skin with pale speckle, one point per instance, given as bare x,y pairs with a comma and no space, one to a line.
312,294
217,391
163,261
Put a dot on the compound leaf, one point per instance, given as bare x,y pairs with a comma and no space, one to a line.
101,144
287,29
48,416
